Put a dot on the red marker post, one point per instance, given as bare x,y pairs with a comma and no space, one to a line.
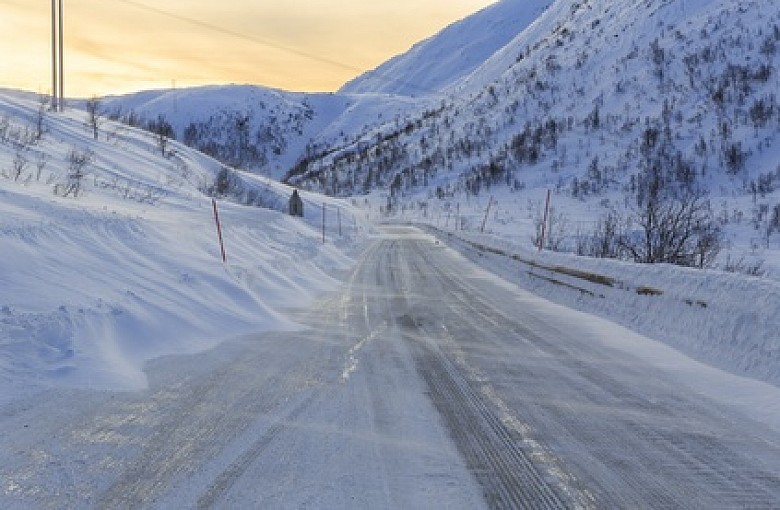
487,212
219,230
544,222
323,223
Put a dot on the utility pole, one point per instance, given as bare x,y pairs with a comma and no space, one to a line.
57,58
54,55
62,59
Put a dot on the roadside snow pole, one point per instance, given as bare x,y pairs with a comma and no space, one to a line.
219,230
323,223
457,217
544,222
487,211
339,216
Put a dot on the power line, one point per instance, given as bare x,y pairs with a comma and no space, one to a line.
239,35
271,44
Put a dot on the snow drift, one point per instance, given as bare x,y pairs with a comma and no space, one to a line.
95,283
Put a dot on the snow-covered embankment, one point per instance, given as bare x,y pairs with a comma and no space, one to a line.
94,285
727,320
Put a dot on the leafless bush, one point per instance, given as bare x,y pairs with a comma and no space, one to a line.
740,265
5,126
19,164
554,232
675,230
40,164
94,115
604,241
77,164
163,132
40,118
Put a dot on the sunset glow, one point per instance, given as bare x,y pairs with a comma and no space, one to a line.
129,45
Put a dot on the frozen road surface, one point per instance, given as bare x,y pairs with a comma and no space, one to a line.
424,383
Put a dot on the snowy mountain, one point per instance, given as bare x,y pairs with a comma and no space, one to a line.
446,58
599,101
260,129
268,131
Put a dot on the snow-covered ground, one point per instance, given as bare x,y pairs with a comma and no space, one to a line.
424,382
97,291
724,319
93,286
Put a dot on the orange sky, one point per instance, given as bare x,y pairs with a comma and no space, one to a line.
115,46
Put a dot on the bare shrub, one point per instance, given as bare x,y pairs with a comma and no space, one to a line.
19,164
675,230
740,265
77,164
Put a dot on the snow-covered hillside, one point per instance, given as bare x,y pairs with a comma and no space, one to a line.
109,254
442,60
263,130
597,100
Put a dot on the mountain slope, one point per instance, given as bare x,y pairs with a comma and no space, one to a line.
442,60
592,100
268,131
256,128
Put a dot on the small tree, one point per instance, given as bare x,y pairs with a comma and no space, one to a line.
676,230
40,164
40,118
77,163
604,243
94,114
555,230
163,131
18,166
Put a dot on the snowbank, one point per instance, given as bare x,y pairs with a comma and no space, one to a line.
93,286
730,321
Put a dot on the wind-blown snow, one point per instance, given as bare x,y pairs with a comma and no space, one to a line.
91,287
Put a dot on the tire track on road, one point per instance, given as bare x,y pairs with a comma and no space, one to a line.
661,447
493,452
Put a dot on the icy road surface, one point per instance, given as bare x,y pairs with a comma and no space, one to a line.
425,383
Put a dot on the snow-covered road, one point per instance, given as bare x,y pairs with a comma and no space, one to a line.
426,382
